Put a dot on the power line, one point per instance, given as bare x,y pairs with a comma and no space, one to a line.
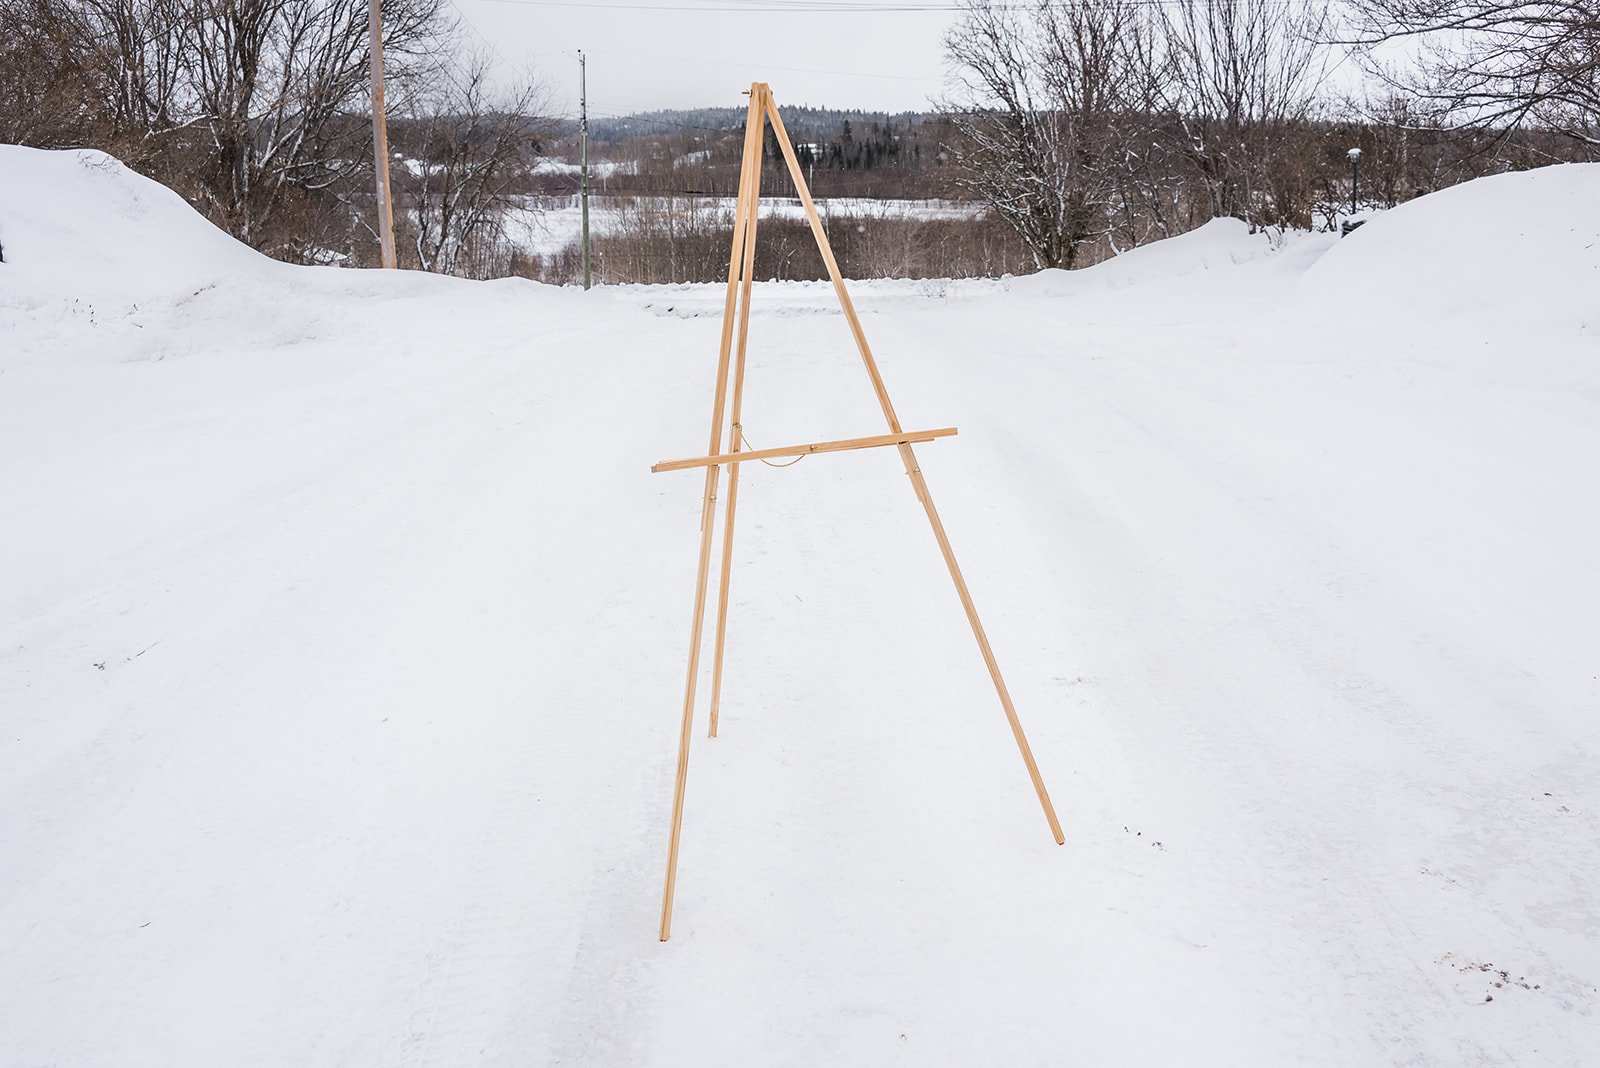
844,7
756,7
764,66
469,24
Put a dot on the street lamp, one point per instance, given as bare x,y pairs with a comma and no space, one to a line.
1355,160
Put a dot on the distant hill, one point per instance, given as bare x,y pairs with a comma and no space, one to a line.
804,123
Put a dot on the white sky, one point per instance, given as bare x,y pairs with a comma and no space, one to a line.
647,54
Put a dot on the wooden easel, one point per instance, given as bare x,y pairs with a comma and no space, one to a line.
740,263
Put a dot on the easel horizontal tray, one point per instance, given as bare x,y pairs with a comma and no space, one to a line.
905,437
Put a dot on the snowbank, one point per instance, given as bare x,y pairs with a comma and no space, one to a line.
1522,249
81,225
89,243
599,169
1207,257
104,264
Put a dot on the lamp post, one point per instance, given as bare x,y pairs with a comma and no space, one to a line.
1354,156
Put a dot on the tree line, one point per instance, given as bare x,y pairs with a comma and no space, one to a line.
1081,127
256,112
1091,126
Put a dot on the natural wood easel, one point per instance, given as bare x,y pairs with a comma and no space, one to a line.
741,260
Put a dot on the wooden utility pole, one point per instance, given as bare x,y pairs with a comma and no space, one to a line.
583,156
380,135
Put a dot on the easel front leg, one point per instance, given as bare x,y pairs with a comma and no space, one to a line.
921,486
736,430
688,700
708,511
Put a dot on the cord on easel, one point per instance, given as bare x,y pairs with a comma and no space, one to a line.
763,459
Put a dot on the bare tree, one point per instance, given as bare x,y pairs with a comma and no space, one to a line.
1244,78
275,83
251,108
1045,100
51,70
469,150
1494,64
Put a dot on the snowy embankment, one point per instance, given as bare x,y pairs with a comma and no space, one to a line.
344,630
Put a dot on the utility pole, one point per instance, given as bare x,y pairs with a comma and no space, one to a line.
583,150
380,135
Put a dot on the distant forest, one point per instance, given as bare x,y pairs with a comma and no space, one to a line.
845,152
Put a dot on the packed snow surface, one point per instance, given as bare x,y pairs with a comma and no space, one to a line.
344,632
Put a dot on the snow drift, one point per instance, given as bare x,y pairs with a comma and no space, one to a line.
1207,259
81,226
104,264
1521,251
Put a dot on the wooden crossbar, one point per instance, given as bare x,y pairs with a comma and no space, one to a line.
905,437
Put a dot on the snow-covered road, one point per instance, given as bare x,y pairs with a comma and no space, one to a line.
345,627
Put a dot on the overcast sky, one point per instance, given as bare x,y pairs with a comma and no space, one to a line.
648,54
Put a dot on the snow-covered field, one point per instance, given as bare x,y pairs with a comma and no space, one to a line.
343,631
543,226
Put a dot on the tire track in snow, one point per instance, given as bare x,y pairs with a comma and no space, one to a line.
1103,395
